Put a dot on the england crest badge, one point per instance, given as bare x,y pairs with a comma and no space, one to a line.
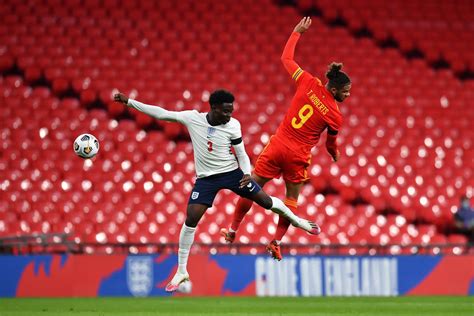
140,275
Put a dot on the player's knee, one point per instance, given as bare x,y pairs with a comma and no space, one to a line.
191,221
268,203
265,201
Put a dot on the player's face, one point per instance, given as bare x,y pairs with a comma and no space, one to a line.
223,112
341,94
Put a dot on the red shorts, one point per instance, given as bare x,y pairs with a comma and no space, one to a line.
277,159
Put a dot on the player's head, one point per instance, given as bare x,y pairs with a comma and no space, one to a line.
222,106
339,83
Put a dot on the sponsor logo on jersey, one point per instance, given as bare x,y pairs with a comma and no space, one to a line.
194,195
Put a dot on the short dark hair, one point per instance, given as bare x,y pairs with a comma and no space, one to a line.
337,78
221,96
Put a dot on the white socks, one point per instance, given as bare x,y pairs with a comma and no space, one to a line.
281,209
186,239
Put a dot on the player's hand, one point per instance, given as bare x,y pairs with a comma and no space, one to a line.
303,25
246,179
120,97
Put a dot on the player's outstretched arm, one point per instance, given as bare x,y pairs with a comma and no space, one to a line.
244,162
287,58
152,110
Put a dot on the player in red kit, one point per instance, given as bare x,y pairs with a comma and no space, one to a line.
313,110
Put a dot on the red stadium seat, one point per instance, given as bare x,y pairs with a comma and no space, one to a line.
402,153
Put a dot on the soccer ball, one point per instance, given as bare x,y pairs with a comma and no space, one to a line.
86,146
185,287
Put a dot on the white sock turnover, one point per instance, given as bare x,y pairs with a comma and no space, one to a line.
280,208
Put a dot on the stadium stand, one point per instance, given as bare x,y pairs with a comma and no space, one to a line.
407,139
440,31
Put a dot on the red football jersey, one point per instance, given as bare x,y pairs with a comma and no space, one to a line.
312,110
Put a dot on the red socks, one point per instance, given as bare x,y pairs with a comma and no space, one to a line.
243,206
283,223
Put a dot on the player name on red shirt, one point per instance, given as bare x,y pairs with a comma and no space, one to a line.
319,105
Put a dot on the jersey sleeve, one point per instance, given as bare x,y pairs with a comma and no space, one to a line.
153,111
300,76
185,117
239,147
242,158
303,78
334,126
236,132
332,132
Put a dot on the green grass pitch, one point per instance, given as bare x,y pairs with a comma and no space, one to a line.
428,305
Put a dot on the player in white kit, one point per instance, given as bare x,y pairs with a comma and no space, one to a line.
212,135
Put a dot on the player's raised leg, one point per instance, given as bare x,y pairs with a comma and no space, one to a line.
246,187
186,239
277,206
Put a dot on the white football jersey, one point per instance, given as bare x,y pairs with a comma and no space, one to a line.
211,144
